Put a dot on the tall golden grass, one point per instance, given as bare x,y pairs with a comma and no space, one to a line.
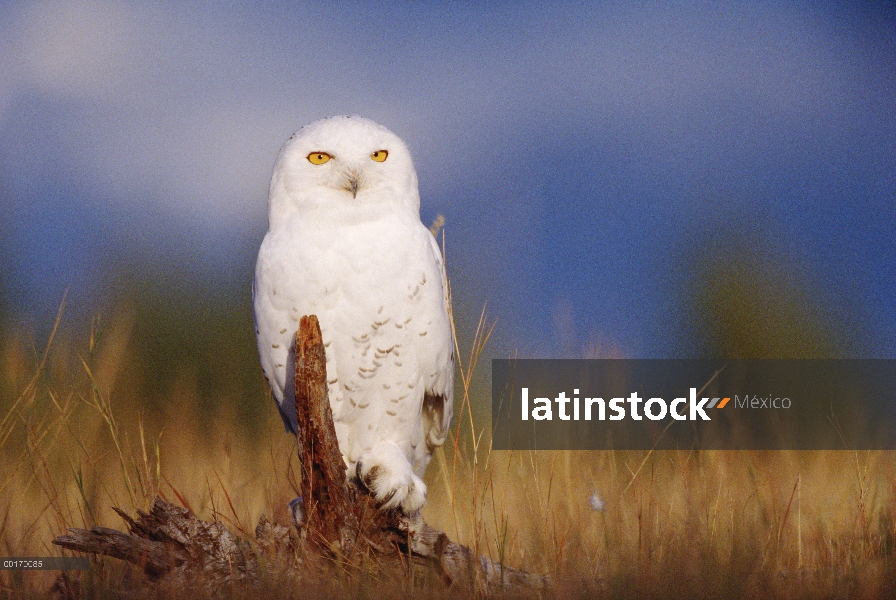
74,443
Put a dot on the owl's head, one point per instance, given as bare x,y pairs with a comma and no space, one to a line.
344,162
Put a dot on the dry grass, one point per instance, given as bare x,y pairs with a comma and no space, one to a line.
674,524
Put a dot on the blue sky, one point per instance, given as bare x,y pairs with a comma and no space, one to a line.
581,153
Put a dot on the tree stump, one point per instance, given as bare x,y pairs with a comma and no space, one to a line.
341,521
328,497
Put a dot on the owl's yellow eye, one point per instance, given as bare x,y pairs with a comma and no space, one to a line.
318,158
380,155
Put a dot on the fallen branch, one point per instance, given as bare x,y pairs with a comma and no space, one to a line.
170,541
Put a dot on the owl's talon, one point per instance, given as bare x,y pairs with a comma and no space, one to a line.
388,499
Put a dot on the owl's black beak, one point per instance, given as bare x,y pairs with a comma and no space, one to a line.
352,184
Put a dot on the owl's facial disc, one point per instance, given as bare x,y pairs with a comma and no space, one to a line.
349,154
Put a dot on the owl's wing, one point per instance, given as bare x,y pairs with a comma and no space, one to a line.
438,402
275,328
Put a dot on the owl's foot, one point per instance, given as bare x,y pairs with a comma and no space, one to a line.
386,473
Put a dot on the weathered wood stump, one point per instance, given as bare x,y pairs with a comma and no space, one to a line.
340,521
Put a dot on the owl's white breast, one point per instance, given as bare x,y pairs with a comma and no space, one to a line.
374,279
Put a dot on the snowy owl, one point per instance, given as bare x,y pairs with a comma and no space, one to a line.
345,243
